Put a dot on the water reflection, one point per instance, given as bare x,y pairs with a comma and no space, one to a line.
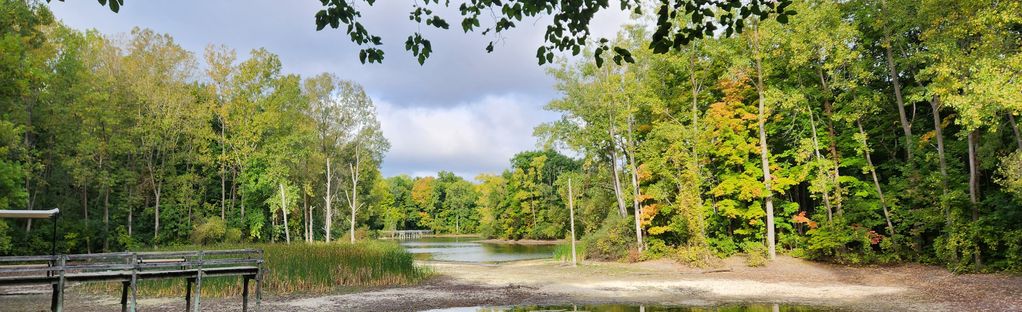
461,249
639,308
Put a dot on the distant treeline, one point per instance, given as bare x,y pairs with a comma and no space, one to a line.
137,146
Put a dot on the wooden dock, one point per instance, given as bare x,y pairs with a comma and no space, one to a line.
405,234
129,268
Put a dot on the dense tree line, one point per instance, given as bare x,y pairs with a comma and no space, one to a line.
138,146
858,132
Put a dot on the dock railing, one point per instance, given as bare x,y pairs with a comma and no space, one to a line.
131,267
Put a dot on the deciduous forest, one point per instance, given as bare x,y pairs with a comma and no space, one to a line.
852,131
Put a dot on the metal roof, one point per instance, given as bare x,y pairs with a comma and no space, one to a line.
29,214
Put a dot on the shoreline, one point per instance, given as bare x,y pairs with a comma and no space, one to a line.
532,242
909,287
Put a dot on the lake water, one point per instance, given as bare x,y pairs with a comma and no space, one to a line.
470,249
637,308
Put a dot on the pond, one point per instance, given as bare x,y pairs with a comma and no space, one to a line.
639,308
471,249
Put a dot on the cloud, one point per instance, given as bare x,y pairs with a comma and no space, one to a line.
468,139
465,110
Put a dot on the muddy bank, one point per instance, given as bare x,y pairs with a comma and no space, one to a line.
544,282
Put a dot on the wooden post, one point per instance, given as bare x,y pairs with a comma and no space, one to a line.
124,296
198,283
571,209
134,282
244,294
259,280
188,293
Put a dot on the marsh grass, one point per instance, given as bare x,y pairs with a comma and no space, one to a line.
299,268
563,252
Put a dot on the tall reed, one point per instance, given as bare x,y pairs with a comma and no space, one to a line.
300,268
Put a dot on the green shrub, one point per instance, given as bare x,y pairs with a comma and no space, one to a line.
656,249
209,232
755,254
723,247
611,241
696,256
233,235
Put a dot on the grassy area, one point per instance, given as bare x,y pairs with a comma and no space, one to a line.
563,251
302,268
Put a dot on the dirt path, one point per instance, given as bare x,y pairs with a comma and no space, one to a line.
543,282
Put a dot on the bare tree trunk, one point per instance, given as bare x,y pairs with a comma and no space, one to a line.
106,218
157,189
764,149
819,158
85,208
328,218
1014,128
571,212
305,217
618,192
974,189
223,169
876,180
353,199
828,111
283,210
699,239
896,82
636,205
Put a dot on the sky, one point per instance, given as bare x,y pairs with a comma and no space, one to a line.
465,110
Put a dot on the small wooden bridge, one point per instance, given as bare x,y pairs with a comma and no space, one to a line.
131,267
405,234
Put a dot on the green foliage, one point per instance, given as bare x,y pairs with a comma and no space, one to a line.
5,238
755,254
611,241
723,246
211,231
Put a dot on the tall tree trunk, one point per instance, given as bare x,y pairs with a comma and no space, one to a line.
938,130
763,147
636,195
819,158
305,217
700,239
355,190
223,169
157,189
106,218
85,208
283,210
131,210
974,189
828,111
618,192
328,218
876,180
1014,129
571,213
906,127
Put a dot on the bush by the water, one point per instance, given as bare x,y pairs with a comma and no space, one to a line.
612,241
303,268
